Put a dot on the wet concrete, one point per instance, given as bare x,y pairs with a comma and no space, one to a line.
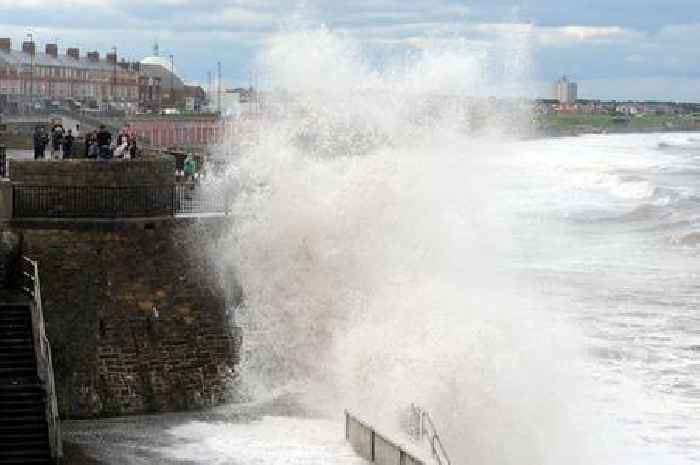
277,431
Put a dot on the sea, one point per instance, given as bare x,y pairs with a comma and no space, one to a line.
555,317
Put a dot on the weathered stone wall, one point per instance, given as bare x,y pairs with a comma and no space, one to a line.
82,172
9,255
136,314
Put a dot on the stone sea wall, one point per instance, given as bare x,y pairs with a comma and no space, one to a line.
157,170
136,314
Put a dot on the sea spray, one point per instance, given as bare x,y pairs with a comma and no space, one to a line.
370,245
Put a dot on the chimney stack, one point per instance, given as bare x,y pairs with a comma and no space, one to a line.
5,44
29,47
93,56
74,53
52,50
111,58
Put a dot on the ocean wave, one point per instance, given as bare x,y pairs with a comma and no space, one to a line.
687,240
678,142
646,211
630,187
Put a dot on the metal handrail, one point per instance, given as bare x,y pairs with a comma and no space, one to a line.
42,352
368,450
424,428
114,202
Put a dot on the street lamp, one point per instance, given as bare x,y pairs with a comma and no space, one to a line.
31,73
172,80
114,73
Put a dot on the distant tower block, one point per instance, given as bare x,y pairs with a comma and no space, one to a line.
566,91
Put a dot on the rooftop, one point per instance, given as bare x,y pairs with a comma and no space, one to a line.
20,58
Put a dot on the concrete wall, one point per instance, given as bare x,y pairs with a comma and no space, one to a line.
159,170
374,447
136,314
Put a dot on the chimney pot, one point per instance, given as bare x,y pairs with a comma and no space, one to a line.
52,50
29,47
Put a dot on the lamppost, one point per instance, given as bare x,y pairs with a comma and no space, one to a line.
31,72
114,74
172,80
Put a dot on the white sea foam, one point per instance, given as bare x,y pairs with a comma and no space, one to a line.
370,246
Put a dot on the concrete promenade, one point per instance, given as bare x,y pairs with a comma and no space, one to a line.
19,154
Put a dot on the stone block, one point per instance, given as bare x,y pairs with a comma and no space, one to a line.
5,200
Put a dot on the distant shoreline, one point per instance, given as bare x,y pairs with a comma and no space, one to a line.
571,125
575,132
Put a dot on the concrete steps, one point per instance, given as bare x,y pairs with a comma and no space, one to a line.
23,428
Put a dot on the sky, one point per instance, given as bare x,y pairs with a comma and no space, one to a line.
615,49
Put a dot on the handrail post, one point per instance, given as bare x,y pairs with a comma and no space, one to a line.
427,430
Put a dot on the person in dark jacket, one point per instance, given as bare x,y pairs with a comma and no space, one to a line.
39,140
104,140
133,149
68,144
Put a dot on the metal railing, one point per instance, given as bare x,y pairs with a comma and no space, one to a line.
42,350
421,427
107,202
373,446
112,202
194,198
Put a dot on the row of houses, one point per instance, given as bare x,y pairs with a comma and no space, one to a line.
629,108
30,78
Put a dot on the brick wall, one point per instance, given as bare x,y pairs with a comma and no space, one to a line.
136,314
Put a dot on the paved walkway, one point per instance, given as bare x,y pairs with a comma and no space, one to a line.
20,154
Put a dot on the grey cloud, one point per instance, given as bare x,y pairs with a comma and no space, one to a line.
654,41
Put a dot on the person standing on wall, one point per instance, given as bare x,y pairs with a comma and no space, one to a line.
51,135
104,140
39,142
190,168
133,149
91,145
77,138
68,145
57,141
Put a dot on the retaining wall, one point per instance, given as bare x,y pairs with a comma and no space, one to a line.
136,314
156,170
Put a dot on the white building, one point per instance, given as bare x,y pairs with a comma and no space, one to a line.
565,91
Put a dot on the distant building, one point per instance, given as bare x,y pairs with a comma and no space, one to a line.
29,78
630,109
34,81
566,91
195,98
161,70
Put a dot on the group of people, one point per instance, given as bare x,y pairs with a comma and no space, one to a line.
58,140
98,144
